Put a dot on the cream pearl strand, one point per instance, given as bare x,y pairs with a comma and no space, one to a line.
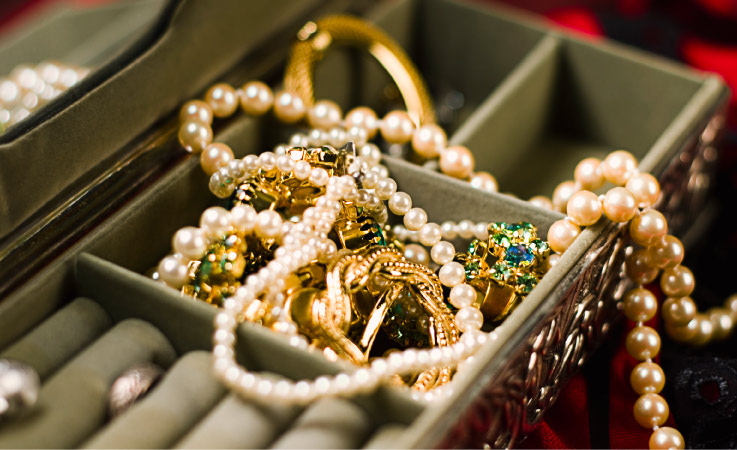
631,201
256,98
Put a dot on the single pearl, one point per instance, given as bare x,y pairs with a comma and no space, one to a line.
562,193
731,305
666,438
223,100
666,252
640,305
400,203
618,166
319,176
541,202
386,188
589,175
429,140
190,242
243,217
416,253
619,205
584,208
415,219
215,222
484,181
363,117
397,127
457,161
452,274
194,136
302,170
370,152
647,378
289,107
639,267
256,98
462,295
561,235
442,252
677,281
469,318
645,188
267,160
642,343
449,230
704,330
324,114
196,110
429,234
722,323
173,271
682,333
268,224
465,229
648,227
215,156
651,410
679,311
285,164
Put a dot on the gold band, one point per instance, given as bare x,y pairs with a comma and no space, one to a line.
315,38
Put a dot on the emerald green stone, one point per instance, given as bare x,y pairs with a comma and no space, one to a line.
539,246
527,281
500,272
501,240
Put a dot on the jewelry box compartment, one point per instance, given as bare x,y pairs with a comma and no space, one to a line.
515,100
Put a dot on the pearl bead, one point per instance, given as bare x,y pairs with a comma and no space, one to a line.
462,295
400,203
416,253
194,136
589,175
682,333
268,224
666,438
645,188
319,176
484,181
243,217
677,281
256,98
220,184
469,318
457,161
679,311
642,343
640,305
363,117
647,378
302,170
731,305
452,274
666,252
562,193
648,227
397,127
429,234
639,267
215,156
215,222
561,235
651,410
618,166
584,208
619,205
289,107
370,152
442,252
429,140
190,242
415,219
722,323
324,114
222,99
386,188
196,110
285,164
541,202
465,229
173,271
704,330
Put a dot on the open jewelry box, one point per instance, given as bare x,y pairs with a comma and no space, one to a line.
535,101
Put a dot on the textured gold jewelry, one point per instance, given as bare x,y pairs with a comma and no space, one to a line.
315,38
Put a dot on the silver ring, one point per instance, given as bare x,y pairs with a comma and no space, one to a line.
19,388
131,386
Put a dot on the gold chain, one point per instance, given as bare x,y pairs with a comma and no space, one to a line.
315,38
